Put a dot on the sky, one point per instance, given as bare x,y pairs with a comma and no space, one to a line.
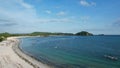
71,16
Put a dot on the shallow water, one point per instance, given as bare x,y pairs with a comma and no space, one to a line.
74,51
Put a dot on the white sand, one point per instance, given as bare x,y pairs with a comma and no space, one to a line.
9,58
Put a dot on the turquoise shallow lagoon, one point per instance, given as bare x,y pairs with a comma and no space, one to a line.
74,51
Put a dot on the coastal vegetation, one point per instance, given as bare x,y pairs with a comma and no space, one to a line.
48,33
3,36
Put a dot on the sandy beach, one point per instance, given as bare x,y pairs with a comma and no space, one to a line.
12,57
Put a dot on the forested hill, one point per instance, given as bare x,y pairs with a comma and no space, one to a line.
3,36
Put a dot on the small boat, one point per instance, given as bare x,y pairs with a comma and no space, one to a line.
111,57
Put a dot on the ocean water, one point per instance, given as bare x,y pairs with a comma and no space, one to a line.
74,51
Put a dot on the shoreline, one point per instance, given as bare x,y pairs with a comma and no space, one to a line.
8,58
27,58
12,54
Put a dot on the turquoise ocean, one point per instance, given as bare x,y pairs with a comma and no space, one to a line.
74,51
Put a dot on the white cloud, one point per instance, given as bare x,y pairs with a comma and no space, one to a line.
21,15
28,6
65,20
48,11
22,11
86,3
15,4
61,13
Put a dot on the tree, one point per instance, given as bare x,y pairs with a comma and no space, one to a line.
5,34
2,38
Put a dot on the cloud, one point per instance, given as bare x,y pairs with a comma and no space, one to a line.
48,11
23,4
61,13
65,20
28,6
4,20
7,22
16,13
117,22
17,9
84,18
86,3
15,4
22,15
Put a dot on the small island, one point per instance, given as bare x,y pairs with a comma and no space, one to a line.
84,33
